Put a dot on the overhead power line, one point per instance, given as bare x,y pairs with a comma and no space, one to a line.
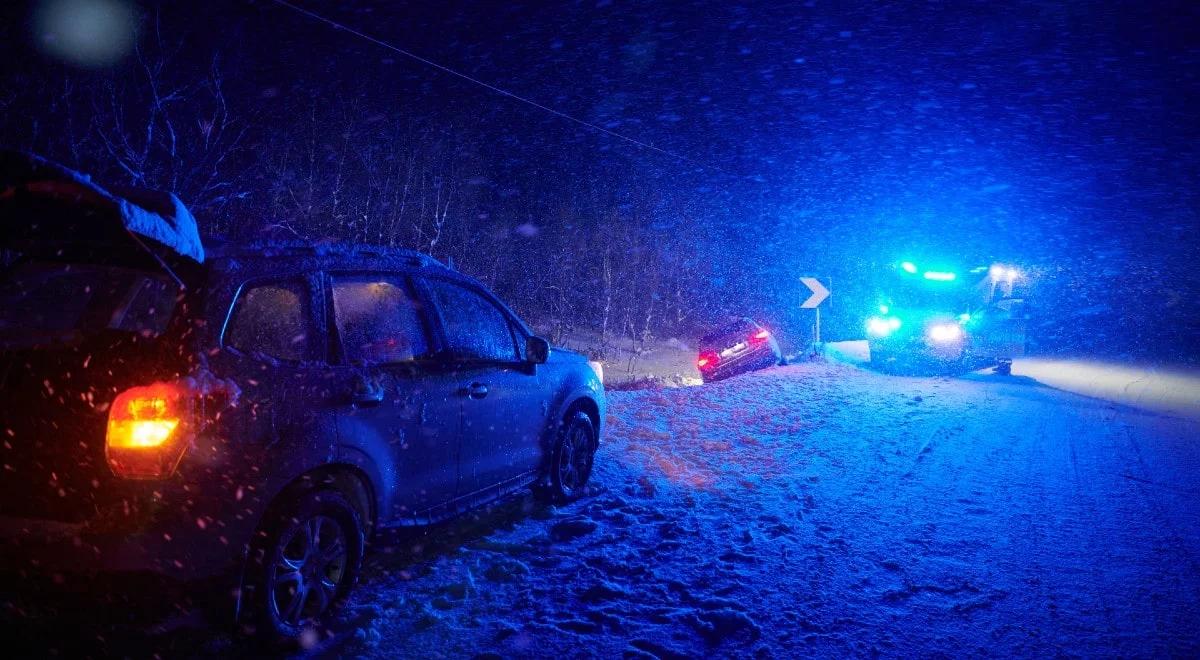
503,92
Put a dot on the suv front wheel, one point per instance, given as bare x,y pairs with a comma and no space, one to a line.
572,457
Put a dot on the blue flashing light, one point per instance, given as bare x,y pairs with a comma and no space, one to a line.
909,267
883,309
938,276
965,318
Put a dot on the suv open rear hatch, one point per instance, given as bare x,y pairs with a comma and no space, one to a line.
85,313
47,210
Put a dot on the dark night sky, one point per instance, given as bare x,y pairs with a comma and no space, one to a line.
1004,113
900,107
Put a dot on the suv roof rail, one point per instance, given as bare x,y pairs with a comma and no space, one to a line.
267,248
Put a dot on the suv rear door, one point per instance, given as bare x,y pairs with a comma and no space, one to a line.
400,405
276,350
504,404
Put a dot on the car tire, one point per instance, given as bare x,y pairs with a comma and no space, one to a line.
307,559
572,458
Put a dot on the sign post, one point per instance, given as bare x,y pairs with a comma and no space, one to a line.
818,293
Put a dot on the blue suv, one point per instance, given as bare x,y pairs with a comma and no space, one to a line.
255,413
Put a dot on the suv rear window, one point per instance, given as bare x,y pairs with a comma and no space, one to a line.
273,320
378,320
59,298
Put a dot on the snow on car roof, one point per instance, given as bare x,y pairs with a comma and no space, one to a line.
156,215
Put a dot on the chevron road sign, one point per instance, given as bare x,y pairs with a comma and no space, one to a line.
818,293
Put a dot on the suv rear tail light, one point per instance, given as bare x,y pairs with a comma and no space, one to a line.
707,360
149,429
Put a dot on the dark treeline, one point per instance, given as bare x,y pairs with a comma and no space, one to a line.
826,142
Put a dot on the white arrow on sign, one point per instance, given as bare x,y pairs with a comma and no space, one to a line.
819,293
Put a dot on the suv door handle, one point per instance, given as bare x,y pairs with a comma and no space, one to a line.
475,390
367,392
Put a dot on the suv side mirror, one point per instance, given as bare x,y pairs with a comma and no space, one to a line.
537,350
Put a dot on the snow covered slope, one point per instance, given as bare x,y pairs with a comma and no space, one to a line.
824,509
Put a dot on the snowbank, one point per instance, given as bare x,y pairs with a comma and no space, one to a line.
665,363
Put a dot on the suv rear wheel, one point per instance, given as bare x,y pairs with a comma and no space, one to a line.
309,560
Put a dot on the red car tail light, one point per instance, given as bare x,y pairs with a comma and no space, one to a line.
707,360
149,429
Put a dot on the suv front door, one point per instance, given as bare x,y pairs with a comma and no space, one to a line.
504,406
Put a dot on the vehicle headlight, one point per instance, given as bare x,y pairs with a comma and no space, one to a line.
878,326
1000,272
945,332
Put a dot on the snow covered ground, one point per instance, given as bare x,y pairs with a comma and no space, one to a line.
825,509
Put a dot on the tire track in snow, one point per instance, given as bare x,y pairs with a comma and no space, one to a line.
1166,617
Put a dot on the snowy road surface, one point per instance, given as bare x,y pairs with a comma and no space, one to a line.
825,509
1159,389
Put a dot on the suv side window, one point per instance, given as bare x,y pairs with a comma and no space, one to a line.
273,319
378,320
475,327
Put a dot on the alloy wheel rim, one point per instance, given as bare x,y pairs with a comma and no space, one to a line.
309,570
574,464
